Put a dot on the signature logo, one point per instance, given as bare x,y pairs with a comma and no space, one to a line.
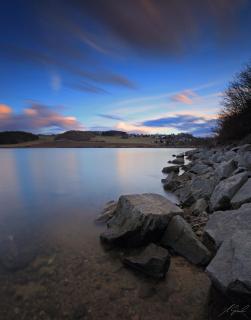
235,309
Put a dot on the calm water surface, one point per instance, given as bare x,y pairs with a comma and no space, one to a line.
49,200
41,182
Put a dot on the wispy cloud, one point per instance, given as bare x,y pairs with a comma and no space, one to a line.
110,116
36,118
198,126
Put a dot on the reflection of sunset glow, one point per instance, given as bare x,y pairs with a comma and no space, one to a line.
10,189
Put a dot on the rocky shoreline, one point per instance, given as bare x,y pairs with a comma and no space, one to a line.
211,226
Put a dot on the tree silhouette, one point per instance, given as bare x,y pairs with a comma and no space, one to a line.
235,117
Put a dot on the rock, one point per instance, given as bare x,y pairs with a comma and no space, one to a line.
244,160
153,261
243,195
200,168
199,206
107,213
230,270
179,161
223,224
198,187
180,237
225,190
225,169
172,182
181,155
239,170
139,219
171,169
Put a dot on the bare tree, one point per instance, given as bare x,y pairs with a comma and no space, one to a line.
235,117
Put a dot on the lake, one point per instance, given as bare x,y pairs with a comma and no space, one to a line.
52,262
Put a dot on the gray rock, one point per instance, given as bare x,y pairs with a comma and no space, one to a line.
225,190
230,270
244,148
223,224
229,155
171,169
139,219
239,170
244,160
243,195
225,169
180,237
172,182
153,261
179,161
200,168
181,155
199,206
107,213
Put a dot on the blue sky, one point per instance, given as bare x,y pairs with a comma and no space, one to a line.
140,66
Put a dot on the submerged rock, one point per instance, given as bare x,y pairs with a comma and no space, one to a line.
180,237
225,190
230,270
153,261
14,255
223,224
139,219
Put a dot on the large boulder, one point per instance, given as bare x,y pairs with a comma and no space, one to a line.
243,195
225,169
230,270
154,261
223,224
225,190
139,219
180,237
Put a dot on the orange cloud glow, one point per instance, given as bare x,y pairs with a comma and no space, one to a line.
186,97
5,111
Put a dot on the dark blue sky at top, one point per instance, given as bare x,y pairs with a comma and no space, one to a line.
141,66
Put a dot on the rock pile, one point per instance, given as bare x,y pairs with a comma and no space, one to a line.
215,194
156,225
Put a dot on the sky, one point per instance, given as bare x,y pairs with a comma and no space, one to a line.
143,66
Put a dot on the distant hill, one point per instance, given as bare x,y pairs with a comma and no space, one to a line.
75,135
13,137
110,133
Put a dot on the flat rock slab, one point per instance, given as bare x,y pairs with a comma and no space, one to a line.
153,261
230,270
223,224
139,219
225,190
243,195
180,237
